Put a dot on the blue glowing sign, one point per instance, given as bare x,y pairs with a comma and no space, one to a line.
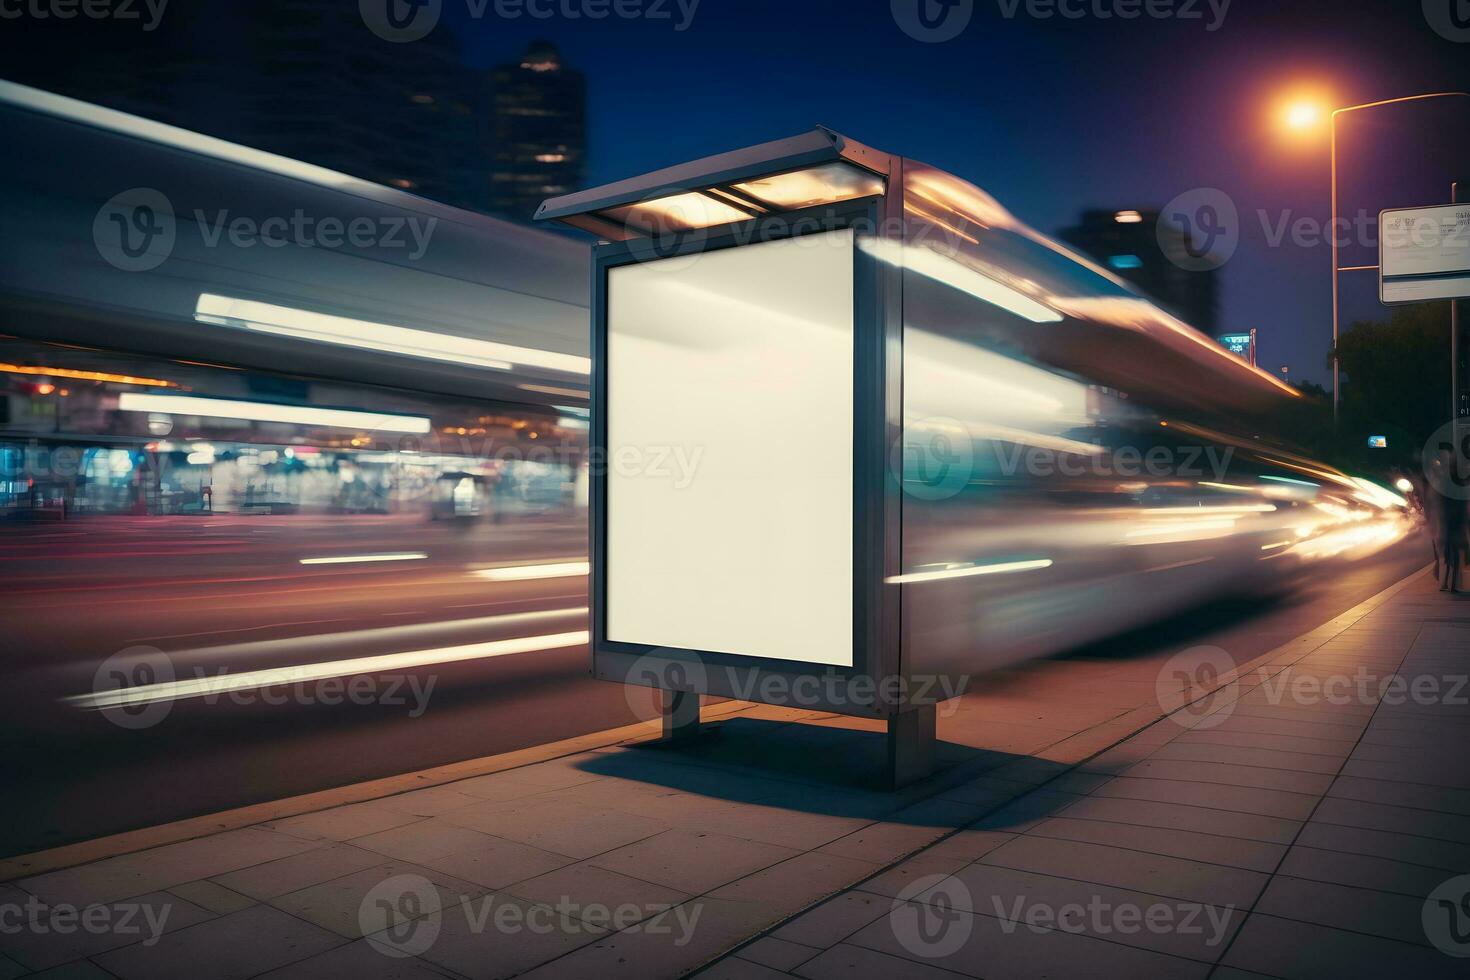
1378,442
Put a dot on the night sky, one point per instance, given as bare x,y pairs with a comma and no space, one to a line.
1054,115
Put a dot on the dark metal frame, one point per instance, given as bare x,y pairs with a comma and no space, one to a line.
877,426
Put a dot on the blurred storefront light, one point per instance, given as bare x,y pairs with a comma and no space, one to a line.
228,408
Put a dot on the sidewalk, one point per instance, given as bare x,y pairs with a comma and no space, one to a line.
1270,825
1285,826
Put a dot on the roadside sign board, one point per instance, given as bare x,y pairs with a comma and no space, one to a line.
1424,254
1242,345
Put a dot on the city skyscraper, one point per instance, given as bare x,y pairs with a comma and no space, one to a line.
538,131
1128,242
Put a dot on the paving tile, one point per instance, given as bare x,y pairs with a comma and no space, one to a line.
231,947
1241,799
846,961
778,954
342,822
1376,816
1149,813
1230,774
338,904
1244,755
59,933
584,884
834,920
1361,871
429,802
692,862
358,960
1177,927
1409,848
1353,909
1157,874
798,881
289,874
421,841
924,865
881,843
216,898
689,936
1284,948
1338,749
999,950
77,970
163,867
497,936
496,862
562,828
1236,852
736,968
1420,797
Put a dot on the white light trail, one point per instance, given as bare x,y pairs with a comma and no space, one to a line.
352,559
965,571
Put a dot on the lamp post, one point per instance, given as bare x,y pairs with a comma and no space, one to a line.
1332,224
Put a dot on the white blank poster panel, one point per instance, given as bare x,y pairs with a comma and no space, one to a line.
730,481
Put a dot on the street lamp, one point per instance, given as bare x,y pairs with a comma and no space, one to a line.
1304,115
1332,224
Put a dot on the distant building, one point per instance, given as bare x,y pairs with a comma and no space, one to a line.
1127,243
308,80
538,131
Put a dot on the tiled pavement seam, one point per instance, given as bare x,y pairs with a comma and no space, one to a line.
1325,879
317,865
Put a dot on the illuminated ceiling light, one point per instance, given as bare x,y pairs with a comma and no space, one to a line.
827,184
1128,217
966,571
228,408
346,331
677,212
123,379
941,268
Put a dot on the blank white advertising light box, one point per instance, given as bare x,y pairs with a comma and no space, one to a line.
729,404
